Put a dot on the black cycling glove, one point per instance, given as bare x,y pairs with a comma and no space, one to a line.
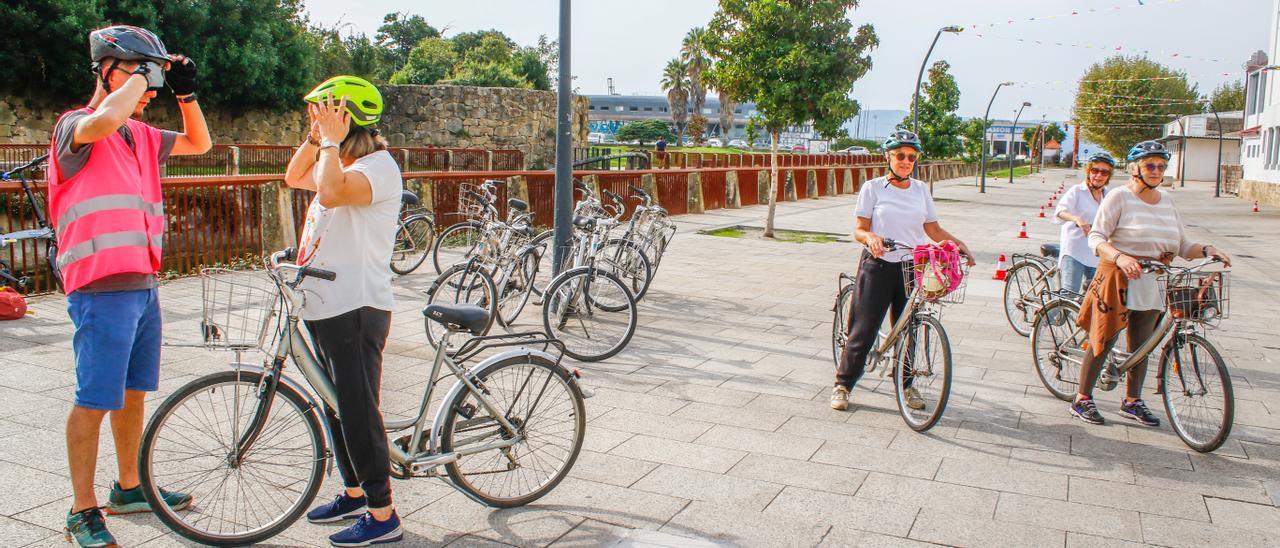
182,77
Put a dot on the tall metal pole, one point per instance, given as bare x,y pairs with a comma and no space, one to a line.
564,147
1217,185
982,163
1011,130
915,100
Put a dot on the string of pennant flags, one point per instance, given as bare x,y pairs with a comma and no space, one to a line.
1176,55
1152,100
1073,13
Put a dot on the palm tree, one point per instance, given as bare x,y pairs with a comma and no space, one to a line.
693,52
726,115
676,84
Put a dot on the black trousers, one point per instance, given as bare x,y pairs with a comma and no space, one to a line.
349,347
1142,323
878,289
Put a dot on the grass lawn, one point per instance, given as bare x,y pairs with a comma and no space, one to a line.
1017,172
786,236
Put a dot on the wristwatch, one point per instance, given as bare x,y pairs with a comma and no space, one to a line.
326,143
1204,251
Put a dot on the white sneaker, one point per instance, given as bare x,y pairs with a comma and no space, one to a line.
840,398
912,396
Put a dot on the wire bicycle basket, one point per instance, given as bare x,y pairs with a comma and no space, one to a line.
238,309
470,205
1201,297
933,288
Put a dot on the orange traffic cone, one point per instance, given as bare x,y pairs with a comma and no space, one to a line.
1001,269
1255,206
1023,233
1041,212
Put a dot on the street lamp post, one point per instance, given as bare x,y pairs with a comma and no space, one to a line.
982,162
915,100
562,217
1011,130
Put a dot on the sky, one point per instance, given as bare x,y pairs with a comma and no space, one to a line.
630,41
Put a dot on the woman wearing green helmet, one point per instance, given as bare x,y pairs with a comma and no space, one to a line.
350,230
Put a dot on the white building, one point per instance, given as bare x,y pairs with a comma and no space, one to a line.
1260,138
1200,162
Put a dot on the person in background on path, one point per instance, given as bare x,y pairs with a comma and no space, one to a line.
1134,223
900,208
105,202
661,148
1075,212
350,230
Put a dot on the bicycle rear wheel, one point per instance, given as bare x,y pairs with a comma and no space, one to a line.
514,290
625,260
1197,393
840,323
456,244
591,311
414,239
923,356
186,447
543,402
465,283
1058,347
1019,301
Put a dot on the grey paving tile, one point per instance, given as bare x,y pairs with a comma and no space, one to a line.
697,485
998,434
793,406
532,525
21,533
1179,533
701,457
638,422
1243,515
1176,504
613,505
735,526
778,444
1079,540
1129,452
600,439
954,448
838,431
952,529
810,475
705,394
854,538
611,469
1070,516
781,388
733,416
878,460
866,514
1201,482
634,401
997,475
929,494
592,533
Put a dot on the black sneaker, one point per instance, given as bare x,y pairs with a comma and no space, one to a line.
1087,411
1138,411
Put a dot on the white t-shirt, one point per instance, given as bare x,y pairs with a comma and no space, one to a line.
355,242
1075,243
897,213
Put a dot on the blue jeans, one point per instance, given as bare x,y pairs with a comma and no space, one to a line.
116,343
1074,274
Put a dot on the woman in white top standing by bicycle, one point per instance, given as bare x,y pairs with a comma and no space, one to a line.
1075,212
900,208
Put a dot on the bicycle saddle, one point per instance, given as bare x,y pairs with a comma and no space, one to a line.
459,317
409,198
584,222
1050,250
518,204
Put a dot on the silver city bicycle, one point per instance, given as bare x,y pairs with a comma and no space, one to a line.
1192,376
251,446
915,349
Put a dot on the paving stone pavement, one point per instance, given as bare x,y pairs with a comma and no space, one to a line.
713,426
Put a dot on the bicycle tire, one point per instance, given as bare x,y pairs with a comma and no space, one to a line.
1048,346
546,262
840,323
472,286
460,406
921,423
1169,387
452,235
148,471
561,298
525,270
630,263
415,239
1015,288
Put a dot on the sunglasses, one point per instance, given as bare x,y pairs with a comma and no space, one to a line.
1099,171
1155,167
904,157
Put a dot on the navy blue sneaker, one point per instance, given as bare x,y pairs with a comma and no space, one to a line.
368,531
1087,411
1138,411
342,507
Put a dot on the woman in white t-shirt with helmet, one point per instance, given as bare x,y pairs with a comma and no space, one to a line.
350,230
1075,212
899,208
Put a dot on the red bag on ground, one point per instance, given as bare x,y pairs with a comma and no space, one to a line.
12,305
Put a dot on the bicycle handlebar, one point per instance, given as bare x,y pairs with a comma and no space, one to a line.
288,255
33,163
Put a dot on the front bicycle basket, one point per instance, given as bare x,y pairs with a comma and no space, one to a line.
470,205
1201,297
238,308
935,286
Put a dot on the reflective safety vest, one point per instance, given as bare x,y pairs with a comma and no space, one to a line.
110,214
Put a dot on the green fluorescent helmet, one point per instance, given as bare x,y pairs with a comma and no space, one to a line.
364,101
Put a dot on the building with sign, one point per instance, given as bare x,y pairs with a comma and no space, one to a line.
606,114
998,137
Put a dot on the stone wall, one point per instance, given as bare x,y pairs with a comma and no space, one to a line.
442,116
1267,194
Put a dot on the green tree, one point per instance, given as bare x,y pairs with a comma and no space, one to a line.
400,33
675,81
940,127
754,123
797,60
1228,97
430,61
973,135
528,64
698,129
1052,132
693,53
488,64
464,42
645,131
1118,103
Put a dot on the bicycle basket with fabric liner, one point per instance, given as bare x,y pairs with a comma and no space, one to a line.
1200,297
238,308
939,271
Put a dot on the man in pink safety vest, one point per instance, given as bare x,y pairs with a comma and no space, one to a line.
105,201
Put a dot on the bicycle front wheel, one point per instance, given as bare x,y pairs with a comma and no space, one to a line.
414,239
625,260
1058,348
591,311
543,403
1022,295
456,244
923,359
516,286
1197,392
188,447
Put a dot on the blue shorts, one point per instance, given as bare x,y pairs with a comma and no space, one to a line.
117,345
